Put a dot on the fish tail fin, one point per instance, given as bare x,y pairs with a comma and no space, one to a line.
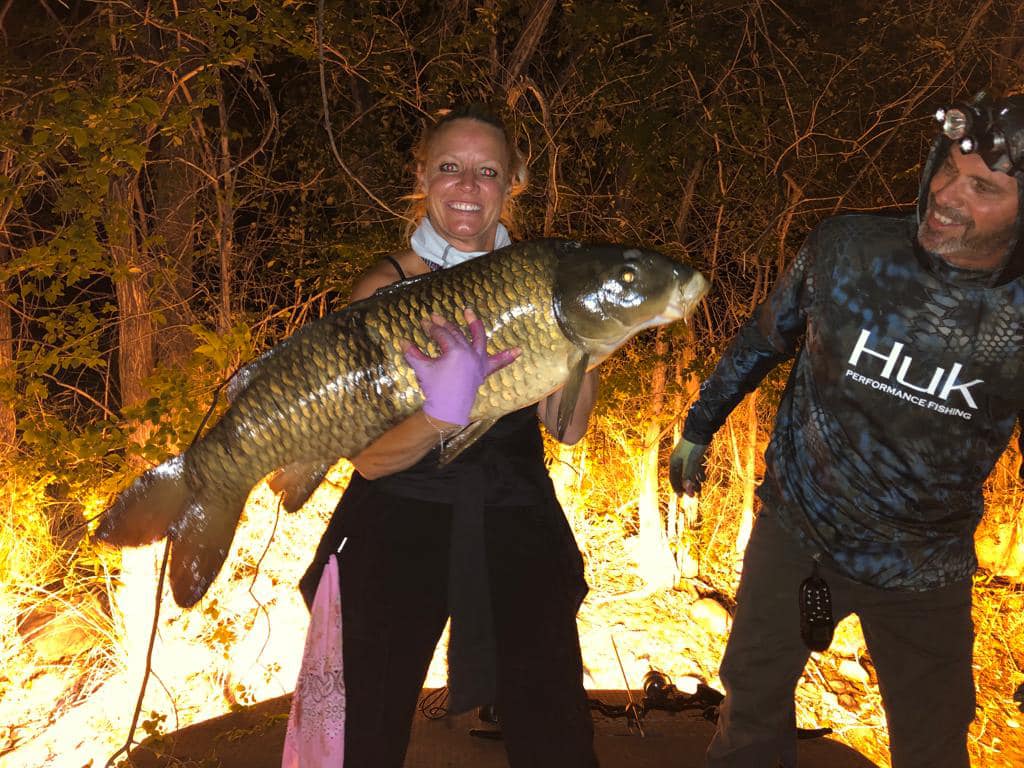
200,524
201,539
146,509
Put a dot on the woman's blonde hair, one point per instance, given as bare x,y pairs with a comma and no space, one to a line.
482,113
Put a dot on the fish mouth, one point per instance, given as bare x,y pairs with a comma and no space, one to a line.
685,298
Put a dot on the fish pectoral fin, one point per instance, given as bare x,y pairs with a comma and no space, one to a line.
462,439
578,362
296,482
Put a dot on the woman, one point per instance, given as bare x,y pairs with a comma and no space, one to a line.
482,539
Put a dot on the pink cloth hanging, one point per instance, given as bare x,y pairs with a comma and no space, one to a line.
316,724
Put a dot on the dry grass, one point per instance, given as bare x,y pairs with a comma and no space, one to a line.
244,641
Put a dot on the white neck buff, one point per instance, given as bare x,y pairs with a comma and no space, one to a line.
433,248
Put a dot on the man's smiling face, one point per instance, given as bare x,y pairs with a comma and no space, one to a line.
972,213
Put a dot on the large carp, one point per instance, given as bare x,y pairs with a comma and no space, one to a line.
338,383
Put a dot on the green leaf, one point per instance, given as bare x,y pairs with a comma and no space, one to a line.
134,155
80,136
149,106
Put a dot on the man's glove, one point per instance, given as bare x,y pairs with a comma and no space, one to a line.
688,467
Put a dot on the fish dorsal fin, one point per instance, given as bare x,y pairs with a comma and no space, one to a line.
296,482
240,380
578,362
462,439
243,377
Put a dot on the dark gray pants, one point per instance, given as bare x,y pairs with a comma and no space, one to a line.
920,642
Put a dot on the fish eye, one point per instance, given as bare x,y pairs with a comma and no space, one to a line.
628,275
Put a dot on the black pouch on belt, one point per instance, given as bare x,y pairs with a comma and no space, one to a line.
816,624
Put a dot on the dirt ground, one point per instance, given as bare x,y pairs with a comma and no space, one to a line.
253,738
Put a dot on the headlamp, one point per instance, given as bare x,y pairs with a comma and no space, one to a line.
955,122
995,130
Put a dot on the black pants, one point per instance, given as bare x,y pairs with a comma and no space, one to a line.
920,642
393,574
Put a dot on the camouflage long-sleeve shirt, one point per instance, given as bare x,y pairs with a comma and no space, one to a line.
904,393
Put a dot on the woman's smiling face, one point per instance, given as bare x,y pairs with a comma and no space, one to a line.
466,179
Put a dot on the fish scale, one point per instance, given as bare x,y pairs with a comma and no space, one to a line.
339,383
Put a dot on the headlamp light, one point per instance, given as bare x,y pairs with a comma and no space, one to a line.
995,130
955,122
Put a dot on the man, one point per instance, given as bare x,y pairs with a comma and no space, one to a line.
908,335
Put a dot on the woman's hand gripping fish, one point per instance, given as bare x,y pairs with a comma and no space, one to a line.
338,383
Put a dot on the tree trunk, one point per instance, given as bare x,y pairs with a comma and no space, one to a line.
135,362
491,9
567,476
131,282
687,387
749,475
682,220
528,41
656,565
225,249
551,194
225,225
175,187
686,391
8,417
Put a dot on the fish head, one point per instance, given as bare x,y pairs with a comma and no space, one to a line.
605,294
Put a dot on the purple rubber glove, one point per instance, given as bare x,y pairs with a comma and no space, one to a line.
449,382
